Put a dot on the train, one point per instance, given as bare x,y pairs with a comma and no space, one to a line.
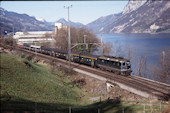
117,65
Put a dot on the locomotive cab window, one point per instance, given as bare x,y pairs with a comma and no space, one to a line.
118,64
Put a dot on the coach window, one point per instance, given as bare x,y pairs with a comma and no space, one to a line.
112,64
123,63
118,64
102,61
109,63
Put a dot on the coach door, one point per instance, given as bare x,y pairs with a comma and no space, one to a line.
92,63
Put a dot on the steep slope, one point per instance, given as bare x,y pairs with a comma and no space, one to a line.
133,5
99,24
148,17
10,21
138,16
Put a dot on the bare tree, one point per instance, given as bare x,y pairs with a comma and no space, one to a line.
77,36
61,39
107,49
139,62
127,52
117,49
142,66
163,70
7,41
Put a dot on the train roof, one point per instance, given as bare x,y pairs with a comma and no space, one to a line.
53,49
89,55
111,58
35,46
27,45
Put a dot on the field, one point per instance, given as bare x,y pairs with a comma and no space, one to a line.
29,87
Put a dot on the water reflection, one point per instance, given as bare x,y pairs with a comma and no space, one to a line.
149,46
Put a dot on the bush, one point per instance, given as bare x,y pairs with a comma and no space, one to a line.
30,57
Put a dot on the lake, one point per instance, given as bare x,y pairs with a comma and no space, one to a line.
150,46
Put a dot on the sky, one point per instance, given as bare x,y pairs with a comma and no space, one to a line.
81,11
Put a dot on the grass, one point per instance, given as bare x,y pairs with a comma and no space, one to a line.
22,80
27,86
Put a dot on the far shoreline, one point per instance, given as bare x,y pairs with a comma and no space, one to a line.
148,35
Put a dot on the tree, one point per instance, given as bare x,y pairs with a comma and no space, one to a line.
61,39
77,37
139,62
162,72
117,49
7,40
107,49
142,66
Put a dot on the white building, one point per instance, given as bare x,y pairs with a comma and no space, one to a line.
59,26
33,36
37,36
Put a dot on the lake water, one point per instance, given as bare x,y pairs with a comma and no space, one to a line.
148,45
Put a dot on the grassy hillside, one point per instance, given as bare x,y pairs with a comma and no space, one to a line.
24,81
27,86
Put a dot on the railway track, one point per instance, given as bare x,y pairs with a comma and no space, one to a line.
160,90
163,87
160,85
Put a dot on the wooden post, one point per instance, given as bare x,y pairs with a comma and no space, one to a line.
144,108
98,110
100,99
160,107
70,109
122,110
35,107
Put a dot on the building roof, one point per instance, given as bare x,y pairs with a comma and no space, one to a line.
30,34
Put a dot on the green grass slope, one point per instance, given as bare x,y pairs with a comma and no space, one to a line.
24,81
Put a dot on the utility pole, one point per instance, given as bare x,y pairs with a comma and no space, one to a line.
12,34
163,58
35,51
102,44
85,36
69,41
13,30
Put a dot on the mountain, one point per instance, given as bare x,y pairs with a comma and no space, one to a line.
21,22
74,24
99,24
133,5
139,17
41,19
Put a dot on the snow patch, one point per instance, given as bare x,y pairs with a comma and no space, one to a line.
119,28
154,27
101,29
41,19
134,23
